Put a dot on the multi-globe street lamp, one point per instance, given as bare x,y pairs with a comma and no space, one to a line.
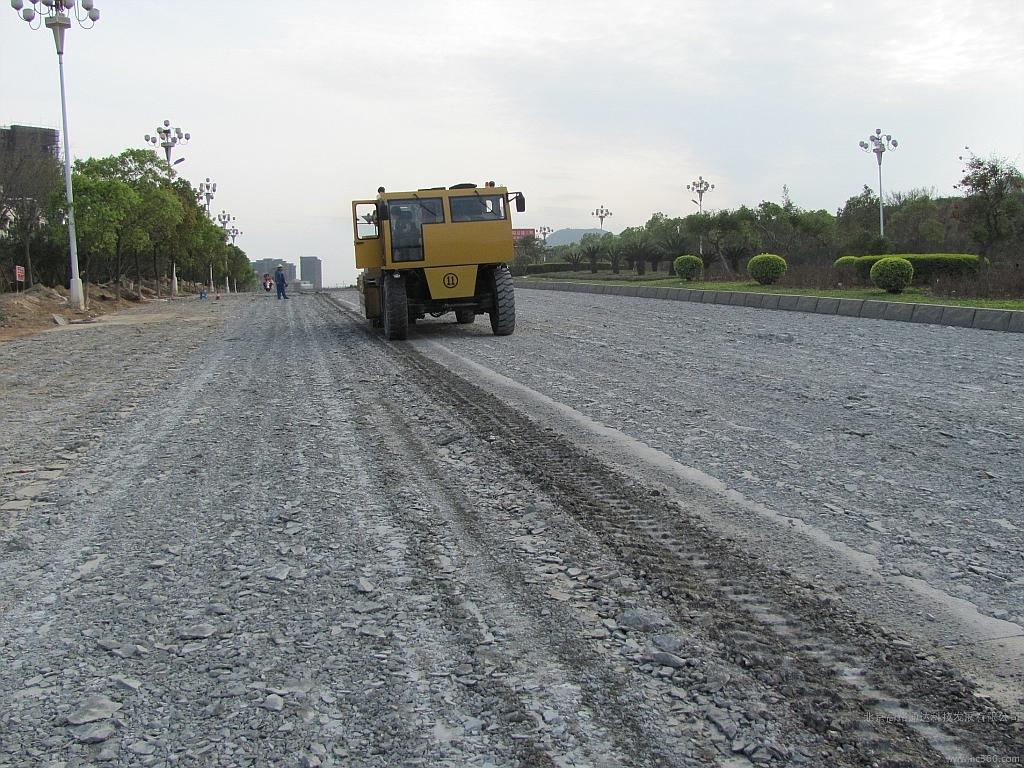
879,144
700,187
168,138
207,189
53,15
543,232
602,213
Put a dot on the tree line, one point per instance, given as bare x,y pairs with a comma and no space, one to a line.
135,219
988,220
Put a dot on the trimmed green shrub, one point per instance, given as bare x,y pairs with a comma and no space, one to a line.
688,267
766,268
845,263
892,273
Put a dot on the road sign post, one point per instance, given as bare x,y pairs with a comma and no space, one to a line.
19,276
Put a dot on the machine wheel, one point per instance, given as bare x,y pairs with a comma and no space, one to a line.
503,313
465,316
395,309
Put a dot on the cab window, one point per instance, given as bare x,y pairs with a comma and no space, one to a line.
408,217
477,208
366,221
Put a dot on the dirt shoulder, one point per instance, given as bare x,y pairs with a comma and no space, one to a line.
41,308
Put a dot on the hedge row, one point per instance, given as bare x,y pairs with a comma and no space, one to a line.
927,266
551,266
564,266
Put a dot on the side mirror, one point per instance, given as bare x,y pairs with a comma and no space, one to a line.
520,203
383,214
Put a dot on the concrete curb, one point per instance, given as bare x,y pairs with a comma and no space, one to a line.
1008,320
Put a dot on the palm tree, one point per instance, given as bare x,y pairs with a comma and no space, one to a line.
638,247
613,247
591,248
672,241
574,257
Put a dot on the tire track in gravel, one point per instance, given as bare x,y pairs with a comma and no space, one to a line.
764,619
608,726
604,721
430,647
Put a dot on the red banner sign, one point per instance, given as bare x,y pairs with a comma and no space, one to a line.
19,274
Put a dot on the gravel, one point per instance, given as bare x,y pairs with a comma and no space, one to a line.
251,533
903,441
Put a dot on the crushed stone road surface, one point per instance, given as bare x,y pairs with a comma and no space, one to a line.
253,533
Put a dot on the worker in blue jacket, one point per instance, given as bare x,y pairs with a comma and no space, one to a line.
281,283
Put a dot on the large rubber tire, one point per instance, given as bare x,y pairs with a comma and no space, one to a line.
465,316
395,309
503,313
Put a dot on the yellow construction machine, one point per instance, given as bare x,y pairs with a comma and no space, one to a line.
435,251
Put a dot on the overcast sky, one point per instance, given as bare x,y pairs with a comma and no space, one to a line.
296,109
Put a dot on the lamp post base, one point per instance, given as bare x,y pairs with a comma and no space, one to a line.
174,281
77,294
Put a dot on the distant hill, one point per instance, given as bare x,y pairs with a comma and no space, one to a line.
570,236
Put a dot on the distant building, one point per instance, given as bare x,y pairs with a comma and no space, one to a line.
21,149
312,271
265,266
20,141
519,234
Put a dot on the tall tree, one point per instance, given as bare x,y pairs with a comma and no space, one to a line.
671,238
857,225
913,223
27,181
733,238
102,206
993,187
528,250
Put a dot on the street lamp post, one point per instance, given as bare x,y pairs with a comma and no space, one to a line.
602,213
544,232
224,219
168,138
232,233
879,145
53,14
700,187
